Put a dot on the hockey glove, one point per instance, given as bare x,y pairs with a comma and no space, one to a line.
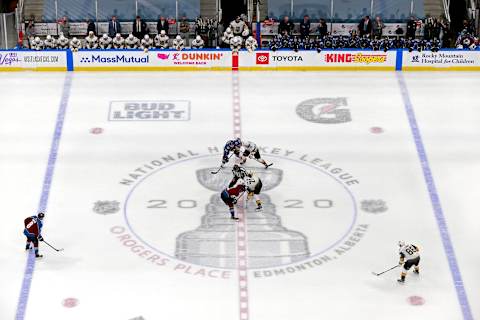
40,238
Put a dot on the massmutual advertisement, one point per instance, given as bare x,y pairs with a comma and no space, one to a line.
152,60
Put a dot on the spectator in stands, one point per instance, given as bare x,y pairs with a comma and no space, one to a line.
305,27
378,26
322,28
185,30
286,26
365,26
139,28
114,27
162,24
411,28
30,32
64,26
91,27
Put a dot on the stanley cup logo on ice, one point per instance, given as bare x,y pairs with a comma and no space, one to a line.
213,243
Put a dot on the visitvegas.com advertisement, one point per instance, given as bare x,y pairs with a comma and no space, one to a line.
312,60
152,60
33,60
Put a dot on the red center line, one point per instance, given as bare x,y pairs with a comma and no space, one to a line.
241,225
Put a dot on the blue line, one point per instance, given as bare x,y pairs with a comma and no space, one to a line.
399,60
435,199
69,60
42,206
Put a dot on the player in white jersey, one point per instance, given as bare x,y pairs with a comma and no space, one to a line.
161,40
251,44
227,36
91,41
131,42
62,42
146,43
118,41
37,44
75,44
236,43
198,43
50,42
105,42
178,43
409,257
250,150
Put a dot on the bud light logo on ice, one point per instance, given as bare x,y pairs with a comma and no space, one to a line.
172,110
118,58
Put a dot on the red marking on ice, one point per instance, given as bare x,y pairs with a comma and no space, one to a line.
327,108
416,300
96,130
376,130
70,302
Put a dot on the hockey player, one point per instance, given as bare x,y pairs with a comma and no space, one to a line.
237,26
178,43
33,231
198,43
230,196
408,257
227,36
131,42
161,40
75,44
62,42
251,44
147,43
236,43
250,150
253,184
105,42
91,41
118,41
37,44
231,146
50,42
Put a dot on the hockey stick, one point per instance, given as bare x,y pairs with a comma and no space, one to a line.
377,274
48,244
266,166
221,166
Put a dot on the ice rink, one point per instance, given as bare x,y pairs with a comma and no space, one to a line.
121,163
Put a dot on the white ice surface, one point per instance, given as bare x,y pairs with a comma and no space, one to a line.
112,282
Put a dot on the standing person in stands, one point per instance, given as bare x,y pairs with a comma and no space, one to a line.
365,26
411,28
64,26
378,27
305,27
139,28
162,24
30,32
286,26
322,28
114,27
185,30
91,27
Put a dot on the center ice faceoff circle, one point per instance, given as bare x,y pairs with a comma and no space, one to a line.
177,211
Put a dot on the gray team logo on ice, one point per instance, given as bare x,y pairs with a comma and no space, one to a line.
213,242
106,207
171,110
374,206
324,110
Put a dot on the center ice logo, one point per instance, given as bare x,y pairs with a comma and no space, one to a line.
174,217
174,110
